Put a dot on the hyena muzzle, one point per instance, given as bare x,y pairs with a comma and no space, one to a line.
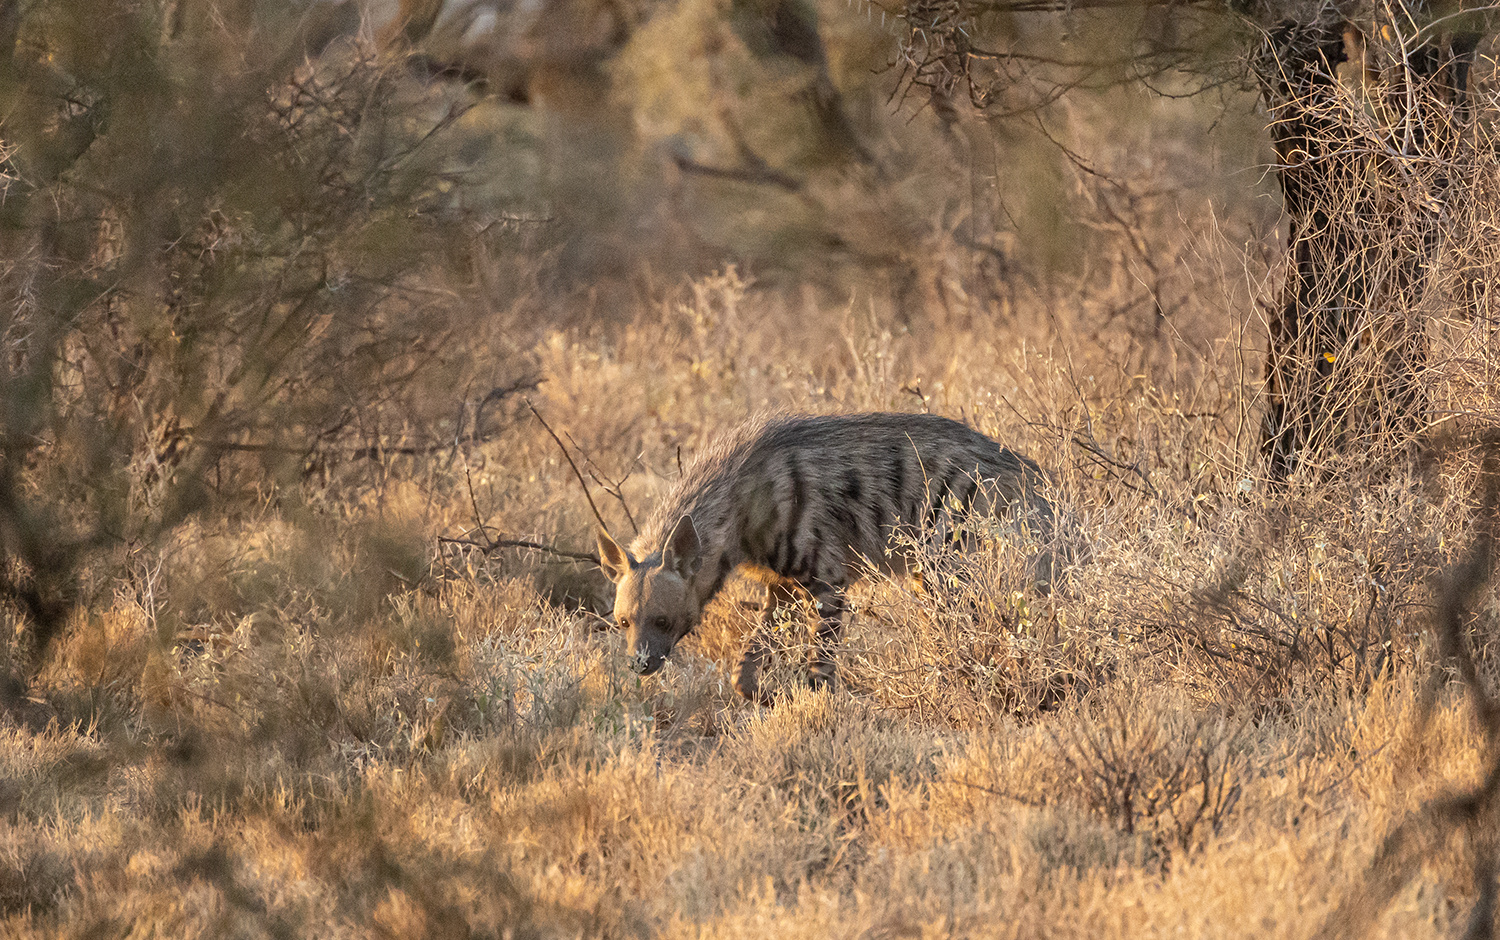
807,504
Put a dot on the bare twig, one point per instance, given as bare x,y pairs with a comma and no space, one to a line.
569,458
1092,448
474,502
612,487
495,545
500,394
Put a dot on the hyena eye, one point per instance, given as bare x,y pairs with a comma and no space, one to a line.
660,623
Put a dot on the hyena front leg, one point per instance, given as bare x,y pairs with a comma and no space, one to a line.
747,676
831,606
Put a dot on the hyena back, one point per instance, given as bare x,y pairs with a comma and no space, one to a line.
808,502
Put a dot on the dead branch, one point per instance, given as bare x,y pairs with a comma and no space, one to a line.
569,458
612,487
762,175
495,545
500,394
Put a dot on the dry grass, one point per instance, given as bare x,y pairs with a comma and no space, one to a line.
335,704
321,723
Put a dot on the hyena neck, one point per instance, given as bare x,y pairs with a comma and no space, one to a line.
706,493
709,581
718,546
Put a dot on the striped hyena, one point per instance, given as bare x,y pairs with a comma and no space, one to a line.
805,502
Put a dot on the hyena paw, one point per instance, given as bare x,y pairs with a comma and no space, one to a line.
819,679
749,690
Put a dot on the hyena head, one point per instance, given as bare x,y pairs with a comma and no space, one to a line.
655,600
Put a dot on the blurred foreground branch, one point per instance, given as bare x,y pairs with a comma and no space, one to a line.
1461,809
216,249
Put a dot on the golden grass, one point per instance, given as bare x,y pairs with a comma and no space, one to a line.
314,704
315,721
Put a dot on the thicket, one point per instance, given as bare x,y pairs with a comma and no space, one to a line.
234,259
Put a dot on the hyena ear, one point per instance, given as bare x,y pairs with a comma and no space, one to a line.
683,553
612,558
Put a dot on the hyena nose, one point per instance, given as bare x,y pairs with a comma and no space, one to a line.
643,663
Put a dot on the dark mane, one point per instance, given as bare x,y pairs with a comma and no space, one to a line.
702,486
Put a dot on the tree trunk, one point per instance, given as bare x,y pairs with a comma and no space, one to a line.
1365,172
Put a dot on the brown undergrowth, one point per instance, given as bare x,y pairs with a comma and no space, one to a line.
342,726
329,659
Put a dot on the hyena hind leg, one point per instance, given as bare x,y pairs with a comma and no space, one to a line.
758,645
820,664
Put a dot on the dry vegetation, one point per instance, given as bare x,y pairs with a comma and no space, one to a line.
304,684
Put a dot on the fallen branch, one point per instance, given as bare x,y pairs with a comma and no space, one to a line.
762,175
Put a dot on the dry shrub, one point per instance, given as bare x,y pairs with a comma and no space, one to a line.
1326,588
232,252
973,643
1169,773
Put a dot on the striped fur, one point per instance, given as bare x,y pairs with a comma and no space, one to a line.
807,502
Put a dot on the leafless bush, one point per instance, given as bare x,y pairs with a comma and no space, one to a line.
1171,776
226,266
1317,590
1469,811
1372,161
